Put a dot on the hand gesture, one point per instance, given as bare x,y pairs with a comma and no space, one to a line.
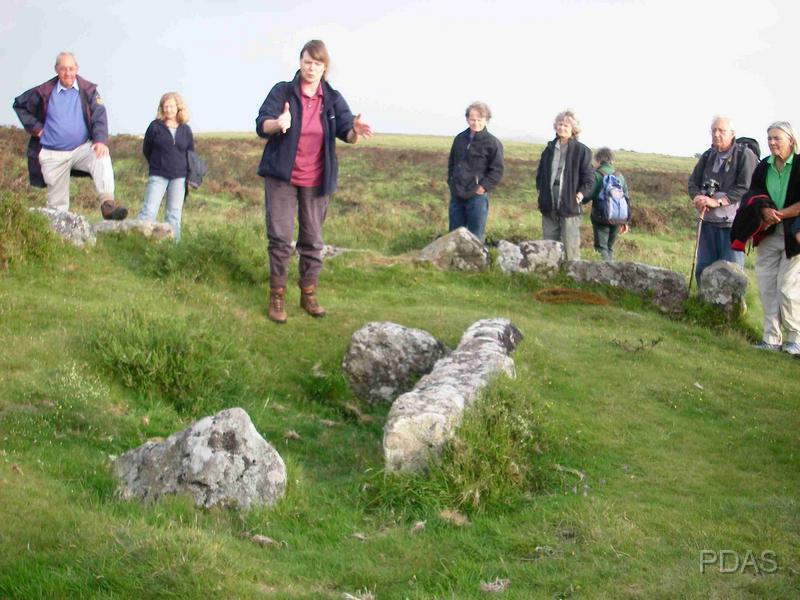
285,118
361,129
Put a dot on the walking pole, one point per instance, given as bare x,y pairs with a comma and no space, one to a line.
696,244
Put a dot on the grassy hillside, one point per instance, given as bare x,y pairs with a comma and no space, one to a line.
627,445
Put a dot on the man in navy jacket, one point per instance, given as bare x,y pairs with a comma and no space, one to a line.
474,168
67,121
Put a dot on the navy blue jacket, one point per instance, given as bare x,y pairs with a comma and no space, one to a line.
31,108
165,156
578,177
278,158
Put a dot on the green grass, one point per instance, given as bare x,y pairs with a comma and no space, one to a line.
627,444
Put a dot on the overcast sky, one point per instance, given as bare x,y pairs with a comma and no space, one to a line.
645,75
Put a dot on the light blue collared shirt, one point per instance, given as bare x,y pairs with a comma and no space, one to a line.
61,88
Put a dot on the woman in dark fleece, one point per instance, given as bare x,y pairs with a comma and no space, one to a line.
564,176
166,142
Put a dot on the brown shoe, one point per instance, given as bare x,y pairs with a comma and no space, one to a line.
277,305
112,212
308,301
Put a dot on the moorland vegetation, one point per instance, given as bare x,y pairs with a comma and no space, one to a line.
628,445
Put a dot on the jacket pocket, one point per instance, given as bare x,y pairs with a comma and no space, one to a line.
464,183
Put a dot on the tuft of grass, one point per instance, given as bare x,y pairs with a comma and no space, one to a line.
76,396
232,252
184,362
492,463
24,235
698,312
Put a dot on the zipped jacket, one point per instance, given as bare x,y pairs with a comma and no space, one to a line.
31,108
475,163
578,176
279,153
166,156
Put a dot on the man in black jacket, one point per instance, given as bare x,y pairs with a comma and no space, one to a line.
474,168
67,121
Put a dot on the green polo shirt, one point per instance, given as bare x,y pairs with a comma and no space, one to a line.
777,183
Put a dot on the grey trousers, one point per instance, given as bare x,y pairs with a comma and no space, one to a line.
566,230
56,166
282,201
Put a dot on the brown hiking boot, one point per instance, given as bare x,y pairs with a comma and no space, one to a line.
112,212
308,301
277,306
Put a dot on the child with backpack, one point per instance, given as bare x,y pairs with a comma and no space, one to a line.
610,204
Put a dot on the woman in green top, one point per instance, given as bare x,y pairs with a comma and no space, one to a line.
778,255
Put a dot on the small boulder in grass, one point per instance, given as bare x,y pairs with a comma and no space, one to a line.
70,227
219,460
723,284
151,230
454,517
459,250
261,540
496,586
383,360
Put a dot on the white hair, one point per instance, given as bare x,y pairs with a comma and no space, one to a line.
728,120
70,54
786,128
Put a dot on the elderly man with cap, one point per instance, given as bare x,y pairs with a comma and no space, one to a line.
69,132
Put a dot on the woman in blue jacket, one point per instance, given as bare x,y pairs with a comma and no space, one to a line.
301,120
166,142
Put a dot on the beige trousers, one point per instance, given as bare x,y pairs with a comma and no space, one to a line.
56,167
778,280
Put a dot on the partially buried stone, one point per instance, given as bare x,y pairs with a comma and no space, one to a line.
69,226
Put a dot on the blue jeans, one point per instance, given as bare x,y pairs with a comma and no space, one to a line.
469,213
714,245
154,192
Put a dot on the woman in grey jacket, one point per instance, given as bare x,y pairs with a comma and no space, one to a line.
564,176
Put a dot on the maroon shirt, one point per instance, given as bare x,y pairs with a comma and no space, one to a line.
309,162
